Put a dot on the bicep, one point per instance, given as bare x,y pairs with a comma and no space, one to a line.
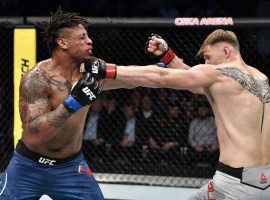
178,63
193,78
34,97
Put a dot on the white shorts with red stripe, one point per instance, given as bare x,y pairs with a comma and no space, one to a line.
254,184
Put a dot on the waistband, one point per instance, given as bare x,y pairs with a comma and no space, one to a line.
235,172
39,158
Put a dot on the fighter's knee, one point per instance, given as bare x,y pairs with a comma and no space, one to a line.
201,194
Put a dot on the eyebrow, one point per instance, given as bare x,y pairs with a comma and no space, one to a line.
82,34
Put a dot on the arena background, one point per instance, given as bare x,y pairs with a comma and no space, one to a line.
122,41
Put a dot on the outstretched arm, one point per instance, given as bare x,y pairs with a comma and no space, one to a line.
115,84
151,76
106,74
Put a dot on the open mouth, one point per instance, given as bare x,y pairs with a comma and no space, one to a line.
89,51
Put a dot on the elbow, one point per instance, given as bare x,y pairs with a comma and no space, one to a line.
163,80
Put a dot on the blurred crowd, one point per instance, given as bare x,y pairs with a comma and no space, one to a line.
135,8
160,126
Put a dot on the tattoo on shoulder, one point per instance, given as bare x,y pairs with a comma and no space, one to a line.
259,88
34,86
59,85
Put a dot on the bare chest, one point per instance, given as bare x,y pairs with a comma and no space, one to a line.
60,89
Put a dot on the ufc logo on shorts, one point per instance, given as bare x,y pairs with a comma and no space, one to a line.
46,161
89,93
95,68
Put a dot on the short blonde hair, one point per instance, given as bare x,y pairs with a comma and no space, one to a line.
219,35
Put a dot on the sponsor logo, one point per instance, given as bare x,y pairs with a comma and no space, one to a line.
95,67
205,21
46,161
85,170
89,93
263,178
210,190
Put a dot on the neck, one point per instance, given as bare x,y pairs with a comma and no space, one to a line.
237,58
66,65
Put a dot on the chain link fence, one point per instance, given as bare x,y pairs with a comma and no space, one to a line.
6,92
142,135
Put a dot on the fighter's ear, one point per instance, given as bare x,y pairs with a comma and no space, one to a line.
62,43
227,51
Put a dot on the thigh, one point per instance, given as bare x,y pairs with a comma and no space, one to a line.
74,181
230,188
20,181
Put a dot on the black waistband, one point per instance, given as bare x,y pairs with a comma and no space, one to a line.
39,158
235,172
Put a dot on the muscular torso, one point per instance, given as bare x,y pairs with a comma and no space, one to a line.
240,102
69,138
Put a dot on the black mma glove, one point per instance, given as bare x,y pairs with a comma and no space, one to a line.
84,92
100,69
168,55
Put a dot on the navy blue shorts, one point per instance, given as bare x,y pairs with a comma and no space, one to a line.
25,178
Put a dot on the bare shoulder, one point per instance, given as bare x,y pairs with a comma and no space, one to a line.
203,67
37,69
34,84
207,69
234,70
258,74
249,78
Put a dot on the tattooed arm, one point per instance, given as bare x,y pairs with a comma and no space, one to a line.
37,116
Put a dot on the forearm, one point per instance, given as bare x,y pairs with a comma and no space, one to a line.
178,63
146,76
47,126
114,84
